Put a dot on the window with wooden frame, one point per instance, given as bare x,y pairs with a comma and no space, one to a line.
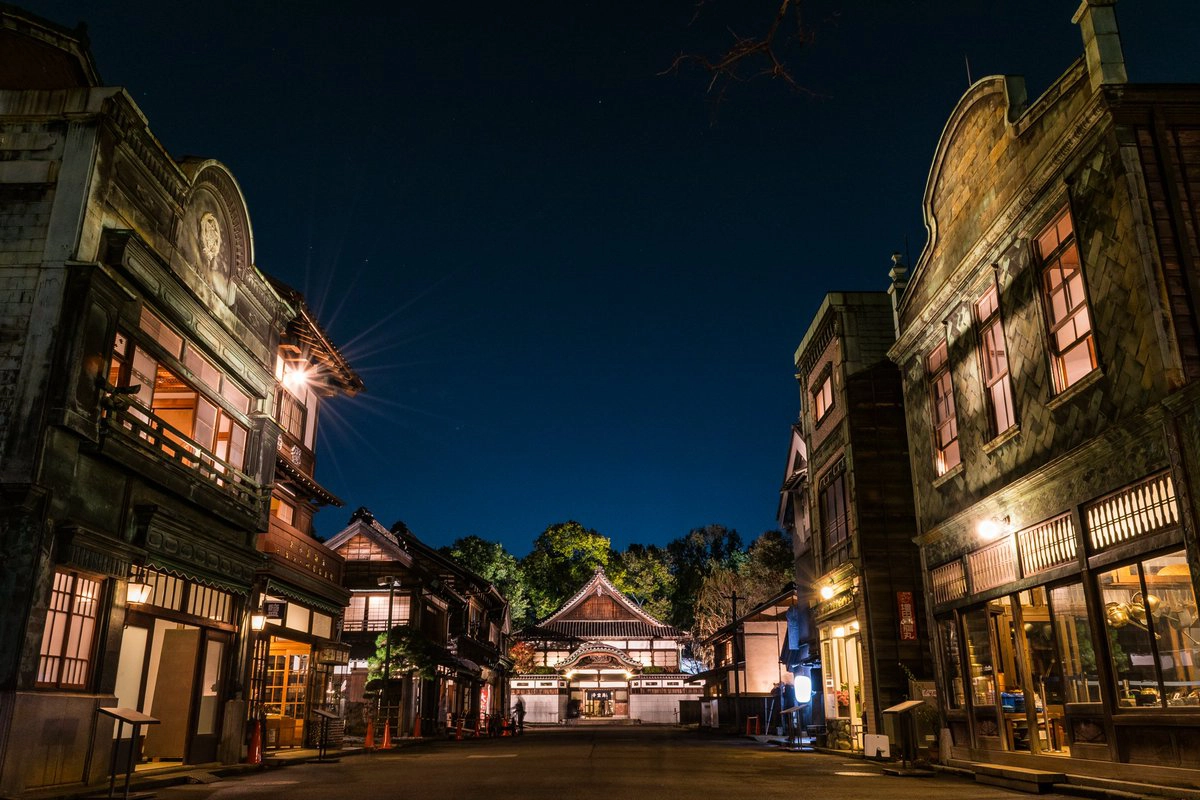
835,518
177,402
945,422
291,415
68,640
993,358
823,397
1064,296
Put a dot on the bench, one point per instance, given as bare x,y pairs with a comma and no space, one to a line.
1034,781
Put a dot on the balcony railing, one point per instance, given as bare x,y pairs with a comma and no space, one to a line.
140,427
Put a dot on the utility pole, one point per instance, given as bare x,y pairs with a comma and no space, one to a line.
737,680
391,582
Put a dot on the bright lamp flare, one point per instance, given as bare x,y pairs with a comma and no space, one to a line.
295,377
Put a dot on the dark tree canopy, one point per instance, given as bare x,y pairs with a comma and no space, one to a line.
563,558
643,572
693,557
490,561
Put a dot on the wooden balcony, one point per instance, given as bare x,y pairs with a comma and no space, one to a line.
138,427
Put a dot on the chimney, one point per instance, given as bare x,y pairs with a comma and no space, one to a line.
1097,21
896,290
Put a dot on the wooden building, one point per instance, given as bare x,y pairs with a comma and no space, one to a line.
862,586
139,348
458,619
600,656
1048,344
299,593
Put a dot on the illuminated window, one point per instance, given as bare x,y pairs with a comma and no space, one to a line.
993,356
1153,624
291,415
1072,346
823,398
360,548
369,612
190,414
65,656
283,511
945,424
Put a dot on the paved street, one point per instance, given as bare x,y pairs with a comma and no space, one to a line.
626,763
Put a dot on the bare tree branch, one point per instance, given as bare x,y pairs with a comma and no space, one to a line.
752,57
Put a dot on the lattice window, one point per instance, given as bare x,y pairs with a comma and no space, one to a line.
360,548
949,582
67,640
1141,509
210,603
992,566
1047,545
166,591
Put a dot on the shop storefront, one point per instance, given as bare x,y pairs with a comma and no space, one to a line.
175,663
294,663
1083,645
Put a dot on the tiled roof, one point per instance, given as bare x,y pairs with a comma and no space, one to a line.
609,629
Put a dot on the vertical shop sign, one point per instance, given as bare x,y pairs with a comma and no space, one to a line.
908,616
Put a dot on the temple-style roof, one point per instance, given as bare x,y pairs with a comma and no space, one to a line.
600,610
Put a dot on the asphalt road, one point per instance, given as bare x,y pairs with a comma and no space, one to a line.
625,763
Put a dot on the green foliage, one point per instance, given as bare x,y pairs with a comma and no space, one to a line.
763,571
490,561
653,670
644,574
563,558
412,652
692,558
543,670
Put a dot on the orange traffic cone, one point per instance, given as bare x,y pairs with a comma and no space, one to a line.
254,755
417,727
387,736
369,741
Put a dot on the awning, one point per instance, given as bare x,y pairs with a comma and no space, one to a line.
275,587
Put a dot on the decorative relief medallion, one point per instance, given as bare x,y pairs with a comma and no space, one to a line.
210,240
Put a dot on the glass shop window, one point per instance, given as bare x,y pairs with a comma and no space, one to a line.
1076,651
979,658
1153,629
952,662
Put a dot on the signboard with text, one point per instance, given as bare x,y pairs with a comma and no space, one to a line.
908,616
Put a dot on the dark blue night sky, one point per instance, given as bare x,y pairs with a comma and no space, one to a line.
572,289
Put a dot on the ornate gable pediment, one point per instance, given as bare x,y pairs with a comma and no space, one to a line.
599,656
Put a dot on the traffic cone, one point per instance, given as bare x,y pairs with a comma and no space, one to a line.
417,727
254,756
387,736
369,741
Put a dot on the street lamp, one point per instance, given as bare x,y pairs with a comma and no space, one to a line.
392,583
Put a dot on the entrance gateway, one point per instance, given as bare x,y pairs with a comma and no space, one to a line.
600,656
